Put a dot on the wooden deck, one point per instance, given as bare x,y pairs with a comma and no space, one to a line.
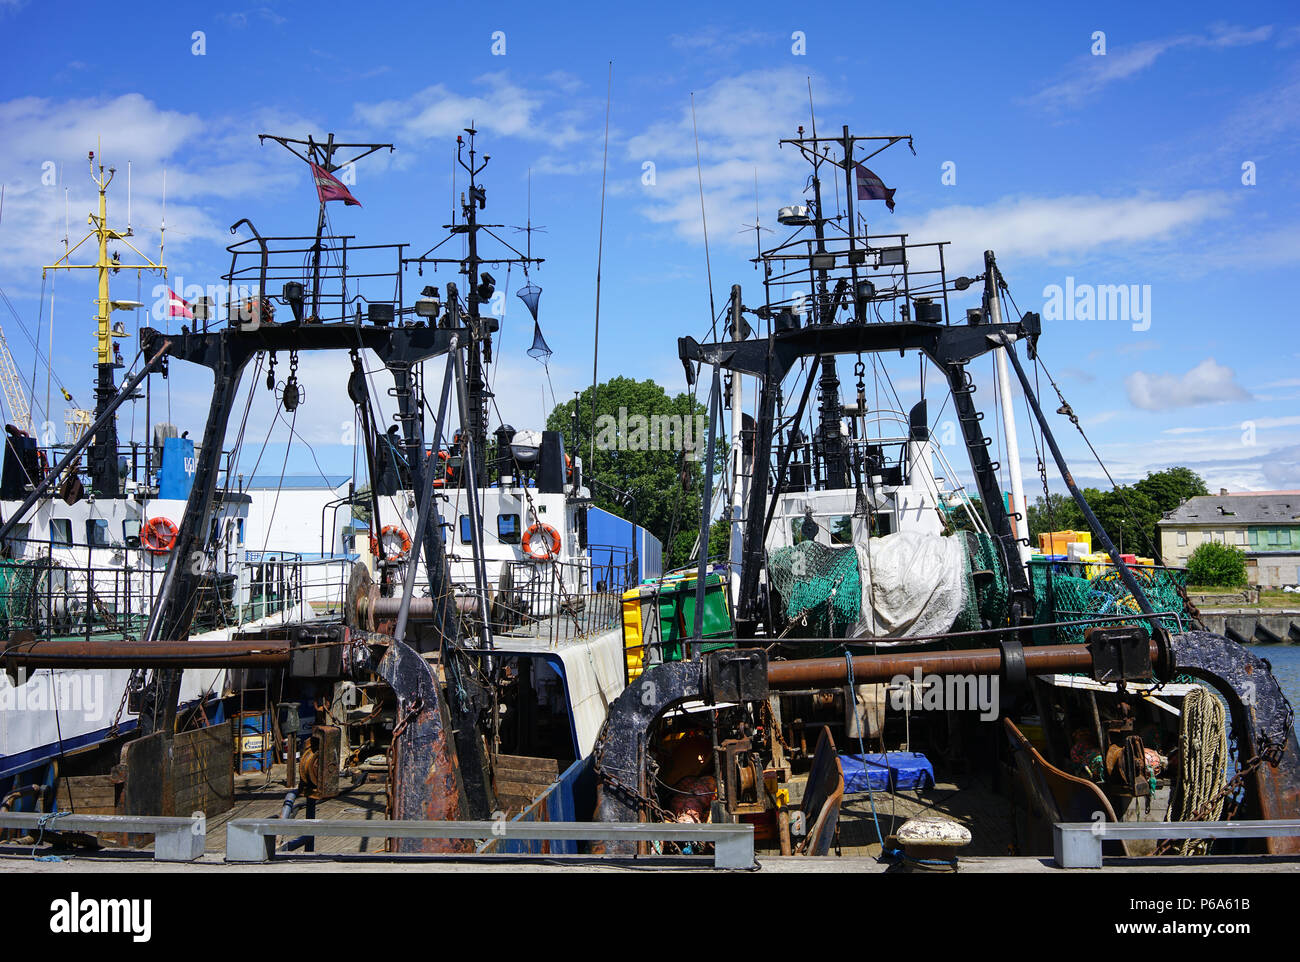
261,795
987,815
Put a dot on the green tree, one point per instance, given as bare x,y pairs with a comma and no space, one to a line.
649,445
361,506
720,537
959,520
1217,565
1168,489
1057,512
1128,513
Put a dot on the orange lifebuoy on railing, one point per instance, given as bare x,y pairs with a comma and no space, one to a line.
543,550
159,535
388,529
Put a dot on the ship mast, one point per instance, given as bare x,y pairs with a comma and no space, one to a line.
481,286
834,454
105,481
320,154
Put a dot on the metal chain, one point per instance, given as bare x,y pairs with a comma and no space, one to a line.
1231,787
391,789
643,802
773,727
1270,751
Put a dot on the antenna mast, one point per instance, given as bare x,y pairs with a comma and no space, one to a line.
481,286
103,452
318,154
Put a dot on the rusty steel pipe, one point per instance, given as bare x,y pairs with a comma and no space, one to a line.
1039,660
421,608
79,653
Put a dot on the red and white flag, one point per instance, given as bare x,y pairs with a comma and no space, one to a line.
871,187
329,187
177,306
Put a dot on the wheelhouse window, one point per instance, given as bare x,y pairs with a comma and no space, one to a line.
842,529
17,540
508,531
97,532
61,532
131,532
465,535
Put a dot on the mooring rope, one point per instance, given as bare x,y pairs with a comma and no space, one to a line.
1203,745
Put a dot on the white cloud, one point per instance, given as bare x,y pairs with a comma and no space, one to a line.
48,140
499,106
1207,383
1090,74
740,120
1059,227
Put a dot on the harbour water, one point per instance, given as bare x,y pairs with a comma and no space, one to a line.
1285,660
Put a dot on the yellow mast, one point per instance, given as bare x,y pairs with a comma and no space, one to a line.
104,264
104,454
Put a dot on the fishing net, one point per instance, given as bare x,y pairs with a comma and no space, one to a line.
1072,591
820,588
23,591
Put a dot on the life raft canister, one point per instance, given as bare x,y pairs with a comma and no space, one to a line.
544,549
449,472
388,529
159,535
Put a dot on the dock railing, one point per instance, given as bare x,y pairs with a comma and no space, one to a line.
1078,844
176,839
253,839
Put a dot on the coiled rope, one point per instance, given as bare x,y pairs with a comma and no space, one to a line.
1203,745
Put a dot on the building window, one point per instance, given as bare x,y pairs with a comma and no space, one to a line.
508,528
1241,537
1182,539
61,532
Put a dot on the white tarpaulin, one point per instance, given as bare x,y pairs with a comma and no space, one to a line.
912,584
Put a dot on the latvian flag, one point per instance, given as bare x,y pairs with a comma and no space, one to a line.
177,306
871,187
329,187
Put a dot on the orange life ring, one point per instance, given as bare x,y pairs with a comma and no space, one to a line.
159,535
543,550
401,533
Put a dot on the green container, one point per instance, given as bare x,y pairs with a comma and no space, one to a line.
677,614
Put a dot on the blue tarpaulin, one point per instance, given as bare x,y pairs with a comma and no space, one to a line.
895,771
176,476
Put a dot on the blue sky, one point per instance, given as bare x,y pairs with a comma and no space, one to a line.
1117,169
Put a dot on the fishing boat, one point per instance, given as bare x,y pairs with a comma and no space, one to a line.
878,627
89,527
461,615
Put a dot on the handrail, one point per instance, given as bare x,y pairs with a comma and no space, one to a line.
176,838
252,839
1078,844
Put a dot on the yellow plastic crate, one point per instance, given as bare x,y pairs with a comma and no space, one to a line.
1058,542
